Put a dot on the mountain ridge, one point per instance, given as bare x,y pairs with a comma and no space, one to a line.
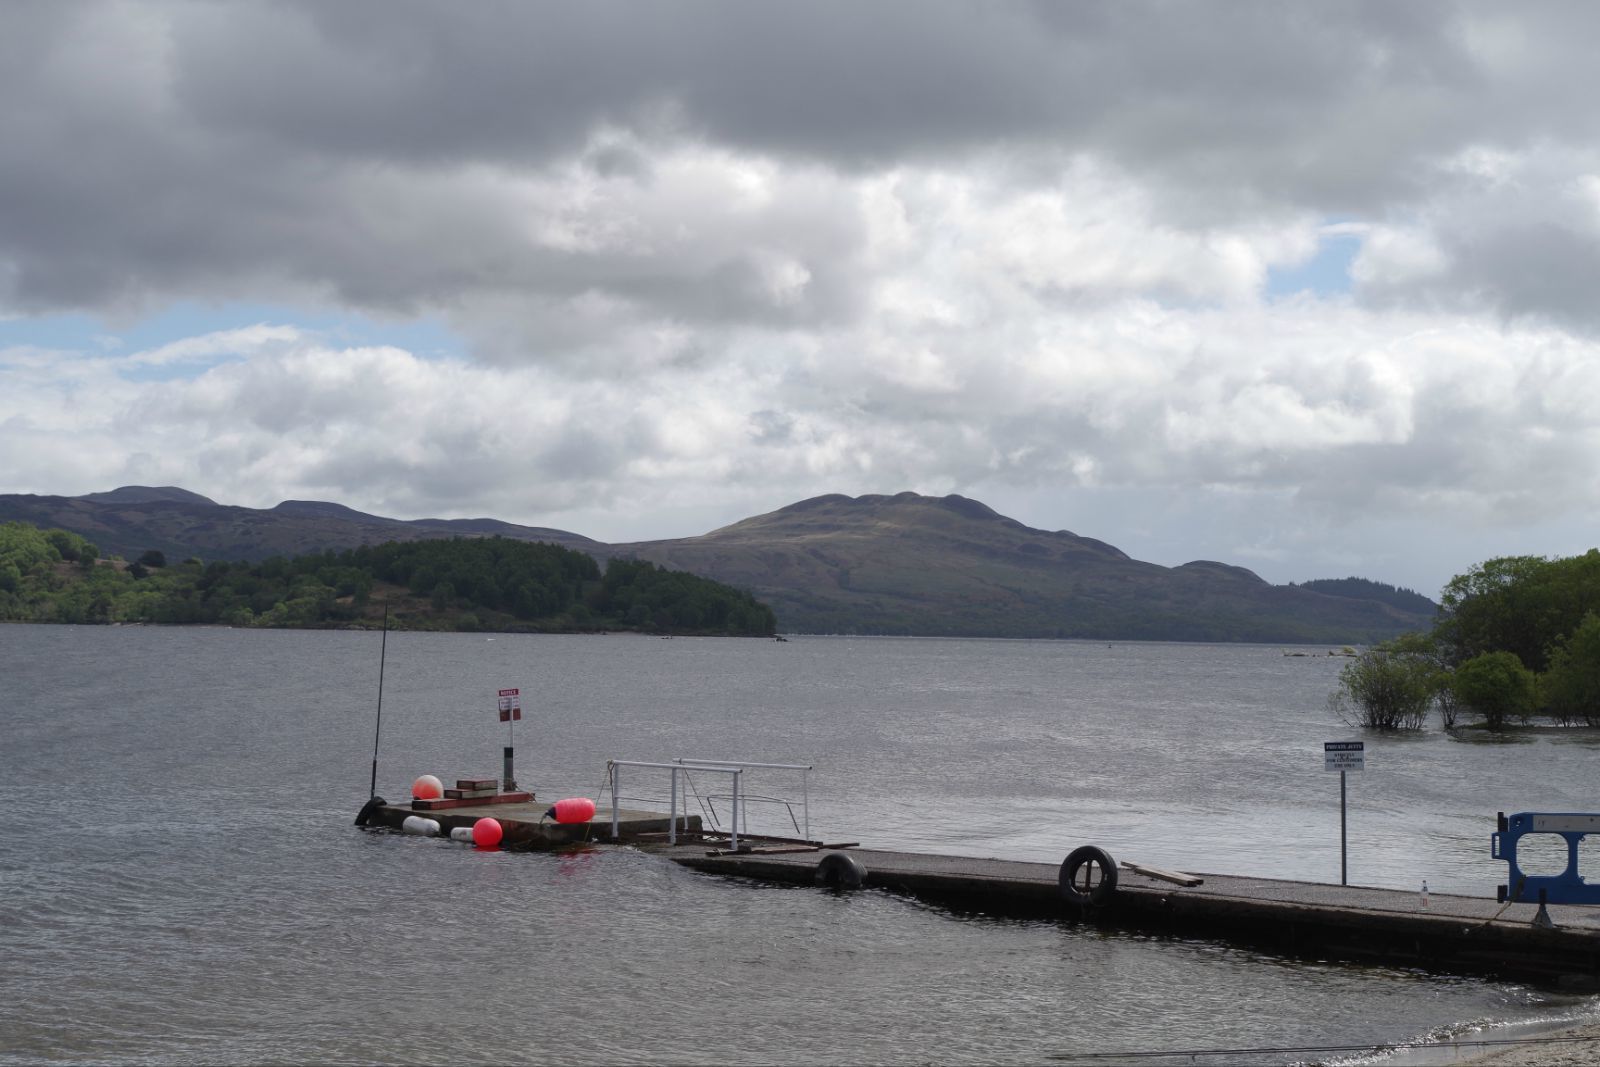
910,564
874,564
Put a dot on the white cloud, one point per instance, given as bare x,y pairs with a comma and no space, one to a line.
1396,256
999,253
208,347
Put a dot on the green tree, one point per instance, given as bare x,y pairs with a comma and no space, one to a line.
1519,604
444,594
66,544
1495,606
1572,684
473,583
1497,686
1386,688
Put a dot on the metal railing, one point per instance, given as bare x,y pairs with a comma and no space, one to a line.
708,804
740,801
743,765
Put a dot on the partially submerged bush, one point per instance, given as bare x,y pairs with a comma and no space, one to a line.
1497,686
1386,688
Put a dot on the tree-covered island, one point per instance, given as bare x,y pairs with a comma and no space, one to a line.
470,584
1515,638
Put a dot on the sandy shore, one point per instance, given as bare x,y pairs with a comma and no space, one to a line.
1573,1046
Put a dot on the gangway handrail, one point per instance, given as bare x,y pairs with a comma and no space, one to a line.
736,768
805,770
744,763
753,798
613,774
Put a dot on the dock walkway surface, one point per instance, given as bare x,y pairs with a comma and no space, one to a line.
1448,932
1461,934
525,825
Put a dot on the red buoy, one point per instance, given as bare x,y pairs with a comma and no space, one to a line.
573,809
486,833
427,787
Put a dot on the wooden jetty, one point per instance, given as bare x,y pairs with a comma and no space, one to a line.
524,825
1444,932
1458,934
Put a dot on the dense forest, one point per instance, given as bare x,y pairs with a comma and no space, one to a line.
490,583
1516,637
1366,589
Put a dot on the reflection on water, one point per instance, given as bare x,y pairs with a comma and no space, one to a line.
192,890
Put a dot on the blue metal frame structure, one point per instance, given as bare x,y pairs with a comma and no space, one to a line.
1568,887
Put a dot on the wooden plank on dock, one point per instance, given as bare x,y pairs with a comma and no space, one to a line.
1175,877
775,850
470,802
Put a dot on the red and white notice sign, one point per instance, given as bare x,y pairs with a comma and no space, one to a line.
510,705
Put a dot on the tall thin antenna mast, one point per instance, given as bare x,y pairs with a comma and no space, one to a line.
383,656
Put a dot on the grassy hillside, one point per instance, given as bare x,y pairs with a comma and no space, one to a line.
924,565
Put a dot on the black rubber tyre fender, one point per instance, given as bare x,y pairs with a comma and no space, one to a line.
1075,862
368,809
840,870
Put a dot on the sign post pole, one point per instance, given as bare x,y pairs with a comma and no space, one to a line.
1344,840
1343,756
510,712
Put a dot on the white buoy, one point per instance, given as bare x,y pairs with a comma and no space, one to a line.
416,824
462,833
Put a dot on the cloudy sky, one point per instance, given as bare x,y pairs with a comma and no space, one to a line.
1309,288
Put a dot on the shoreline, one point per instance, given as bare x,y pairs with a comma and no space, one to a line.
1568,1044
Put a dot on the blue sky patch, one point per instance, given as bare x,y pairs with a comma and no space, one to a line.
426,337
1327,273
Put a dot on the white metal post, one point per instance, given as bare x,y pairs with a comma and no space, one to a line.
616,778
805,799
672,817
733,836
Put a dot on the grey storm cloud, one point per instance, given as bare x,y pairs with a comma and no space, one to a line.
1335,91
708,258
347,152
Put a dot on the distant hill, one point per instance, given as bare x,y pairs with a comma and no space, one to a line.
146,494
903,564
132,519
1366,589
463,584
910,564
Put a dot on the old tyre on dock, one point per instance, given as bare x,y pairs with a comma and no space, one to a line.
840,870
1088,876
368,810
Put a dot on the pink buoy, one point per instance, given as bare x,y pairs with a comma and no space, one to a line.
427,787
573,809
486,833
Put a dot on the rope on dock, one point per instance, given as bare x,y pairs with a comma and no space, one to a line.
1196,1053
1511,898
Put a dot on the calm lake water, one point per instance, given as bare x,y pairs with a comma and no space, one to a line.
181,882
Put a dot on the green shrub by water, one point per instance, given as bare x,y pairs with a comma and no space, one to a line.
1516,637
